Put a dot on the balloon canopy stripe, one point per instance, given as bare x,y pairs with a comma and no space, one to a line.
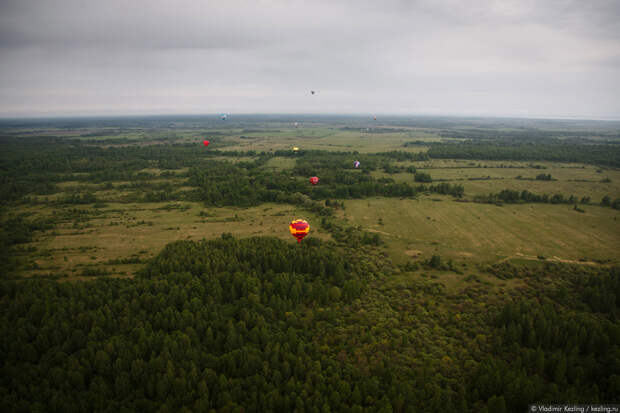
299,229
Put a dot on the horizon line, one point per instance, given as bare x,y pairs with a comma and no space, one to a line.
356,114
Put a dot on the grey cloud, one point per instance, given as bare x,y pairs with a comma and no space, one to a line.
488,56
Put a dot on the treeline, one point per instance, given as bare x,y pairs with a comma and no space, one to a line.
511,196
521,135
597,154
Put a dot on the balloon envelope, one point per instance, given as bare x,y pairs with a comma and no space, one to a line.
206,143
314,180
224,116
356,164
295,148
299,228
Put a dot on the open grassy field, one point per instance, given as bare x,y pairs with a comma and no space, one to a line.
92,242
487,233
483,177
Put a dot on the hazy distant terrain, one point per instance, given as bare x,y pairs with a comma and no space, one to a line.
467,264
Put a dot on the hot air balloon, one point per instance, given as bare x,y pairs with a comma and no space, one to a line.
299,229
312,91
356,164
296,124
295,148
375,118
206,143
314,180
223,116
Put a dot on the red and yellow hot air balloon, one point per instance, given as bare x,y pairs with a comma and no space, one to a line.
299,229
206,143
314,180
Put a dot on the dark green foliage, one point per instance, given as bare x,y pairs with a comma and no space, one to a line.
35,166
224,183
16,230
209,325
601,291
435,261
530,150
511,196
422,177
444,188
87,198
258,323
554,347
350,236
405,156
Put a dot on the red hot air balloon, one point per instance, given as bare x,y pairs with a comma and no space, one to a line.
314,180
206,143
299,229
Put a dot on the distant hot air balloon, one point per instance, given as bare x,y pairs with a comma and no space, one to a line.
314,180
206,143
296,124
375,118
356,164
223,116
312,91
299,229
295,148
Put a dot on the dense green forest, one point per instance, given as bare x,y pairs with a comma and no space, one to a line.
557,151
262,325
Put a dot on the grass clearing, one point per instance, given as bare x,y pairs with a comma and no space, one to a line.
483,177
487,233
123,231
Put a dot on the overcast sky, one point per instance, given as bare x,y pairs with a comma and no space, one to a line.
540,58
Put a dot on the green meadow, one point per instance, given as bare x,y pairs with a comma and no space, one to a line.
480,233
413,229
99,237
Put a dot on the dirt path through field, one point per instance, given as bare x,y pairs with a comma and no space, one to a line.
552,259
